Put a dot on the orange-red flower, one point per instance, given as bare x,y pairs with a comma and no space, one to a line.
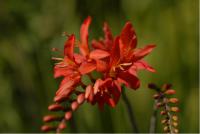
116,58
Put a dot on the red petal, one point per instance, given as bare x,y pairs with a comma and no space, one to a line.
97,85
87,67
58,72
84,36
98,45
139,54
68,115
131,80
69,46
111,102
108,36
79,58
98,54
128,36
65,88
102,66
88,90
115,53
143,65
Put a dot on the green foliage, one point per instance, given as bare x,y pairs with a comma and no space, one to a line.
29,29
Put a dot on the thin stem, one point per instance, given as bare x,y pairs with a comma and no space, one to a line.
153,120
130,112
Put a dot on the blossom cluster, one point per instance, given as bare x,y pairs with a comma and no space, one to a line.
115,58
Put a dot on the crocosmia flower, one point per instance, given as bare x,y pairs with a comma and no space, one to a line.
116,58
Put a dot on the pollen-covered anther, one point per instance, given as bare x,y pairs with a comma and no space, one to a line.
58,59
175,109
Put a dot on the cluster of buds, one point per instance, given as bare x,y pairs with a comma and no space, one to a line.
117,60
167,106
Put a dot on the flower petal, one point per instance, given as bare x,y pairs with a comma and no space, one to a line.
69,46
97,85
84,49
115,53
88,90
102,66
87,67
139,54
108,36
143,65
98,54
79,58
131,80
128,36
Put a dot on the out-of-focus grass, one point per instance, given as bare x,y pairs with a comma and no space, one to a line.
29,29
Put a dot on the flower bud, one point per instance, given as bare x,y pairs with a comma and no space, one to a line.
81,98
62,125
164,121
175,124
74,105
170,92
163,112
152,86
156,96
159,104
68,115
55,107
166,129
176,130
46,128
175,118
173,100
166,86
50,118
175,109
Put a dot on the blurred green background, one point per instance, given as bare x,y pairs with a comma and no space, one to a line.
30,28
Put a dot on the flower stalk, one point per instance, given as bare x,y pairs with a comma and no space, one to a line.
130,111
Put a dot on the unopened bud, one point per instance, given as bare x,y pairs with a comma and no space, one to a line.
68,115
55,107
175,109
163,112
74,105
170,92
164,121
62,125
160,104
166,129
175,118
46,128
166,86
156,96
50,118
175,124
175,130
152,86
173,100
81,98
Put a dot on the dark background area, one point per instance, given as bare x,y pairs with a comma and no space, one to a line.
30,28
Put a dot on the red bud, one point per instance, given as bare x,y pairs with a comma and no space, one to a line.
68,115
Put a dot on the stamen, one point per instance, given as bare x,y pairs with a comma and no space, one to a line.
55,58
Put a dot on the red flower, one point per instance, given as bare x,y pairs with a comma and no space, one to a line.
116,58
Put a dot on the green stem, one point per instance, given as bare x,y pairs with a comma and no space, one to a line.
130,111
